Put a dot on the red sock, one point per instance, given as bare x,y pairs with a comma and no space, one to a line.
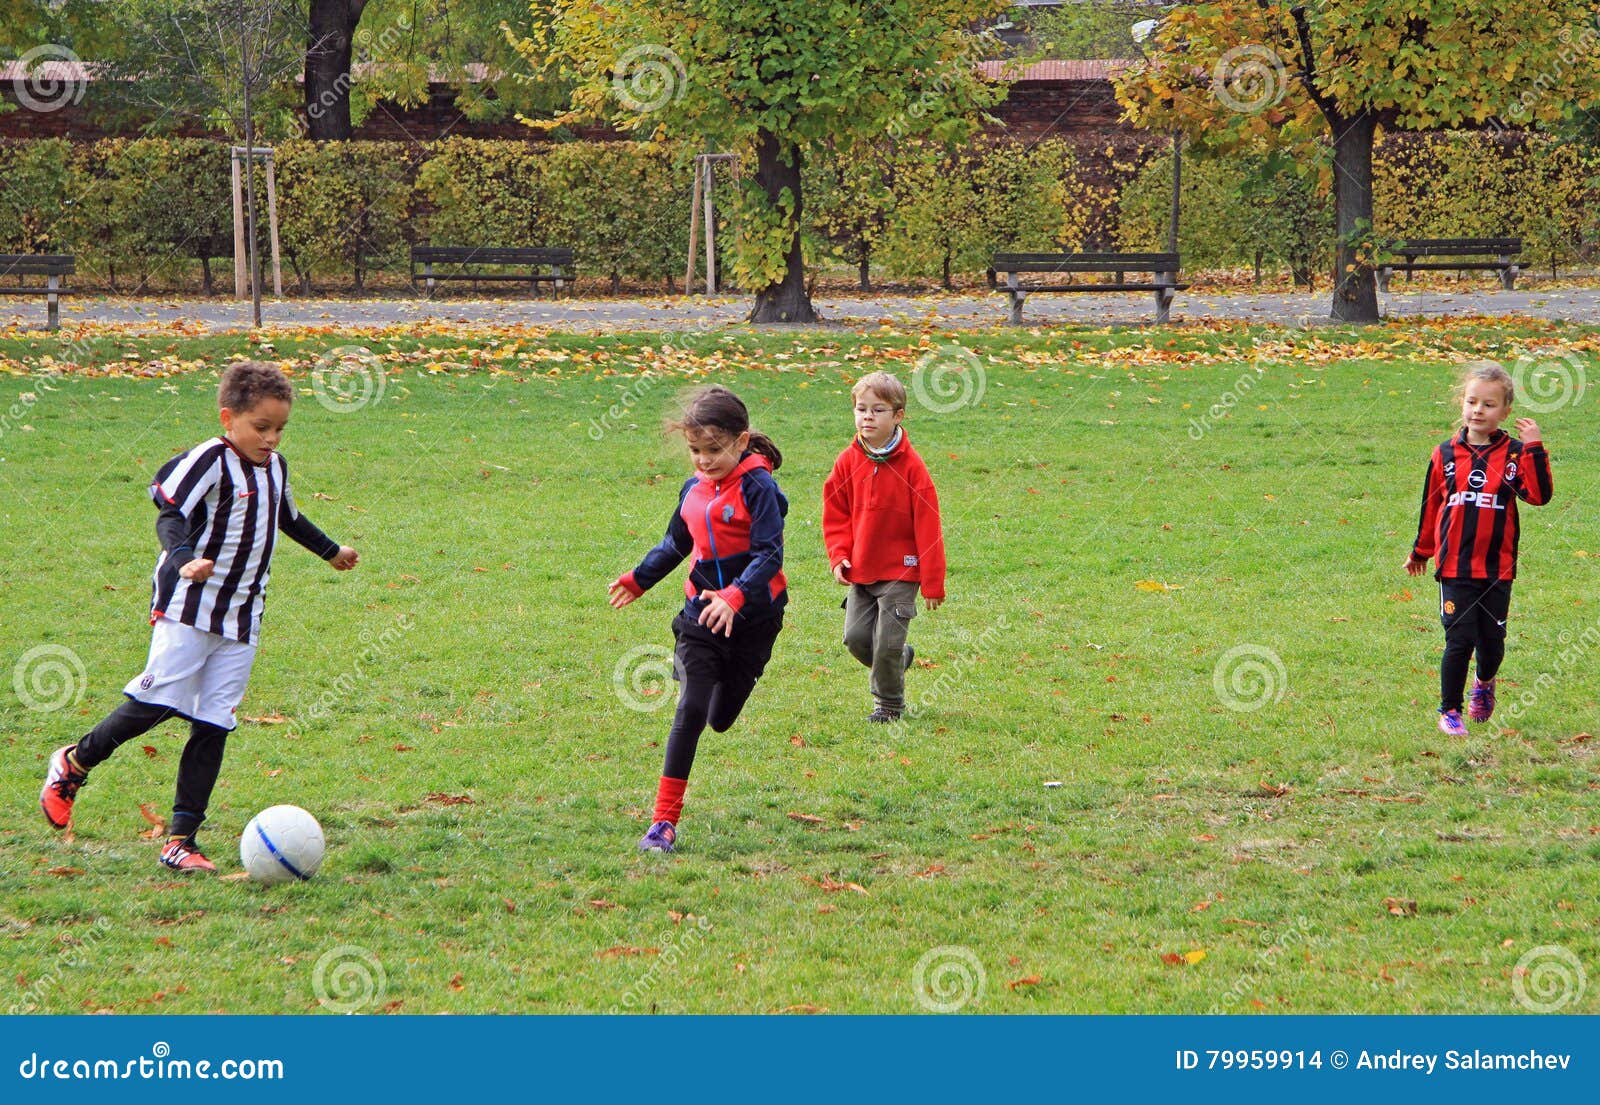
669,799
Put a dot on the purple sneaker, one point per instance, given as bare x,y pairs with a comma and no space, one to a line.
1480,707
1450,723
661,838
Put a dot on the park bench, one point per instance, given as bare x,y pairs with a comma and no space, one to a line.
51,266
456,260
1162,267
1459,252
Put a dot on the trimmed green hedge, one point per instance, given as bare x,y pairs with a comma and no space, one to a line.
153,213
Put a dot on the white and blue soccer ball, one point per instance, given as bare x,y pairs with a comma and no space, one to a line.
281,844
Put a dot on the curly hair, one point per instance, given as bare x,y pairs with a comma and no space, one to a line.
247,383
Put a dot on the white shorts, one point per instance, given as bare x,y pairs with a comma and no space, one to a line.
200,675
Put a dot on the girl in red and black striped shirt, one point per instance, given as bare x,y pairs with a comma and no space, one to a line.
1469,526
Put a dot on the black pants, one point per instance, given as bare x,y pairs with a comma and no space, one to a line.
1474,613
716,675
197,769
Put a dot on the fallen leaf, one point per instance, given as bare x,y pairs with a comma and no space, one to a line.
808,818
1156,585
404,748
601,903
1030,980
164,941
65,872
807,1009
1400,907
149,750
456,984
798,741
266,719
624,949
931,870
1204,838
237,876
1201,906
439,798
1274,790
1403,596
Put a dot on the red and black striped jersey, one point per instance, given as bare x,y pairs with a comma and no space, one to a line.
1469,504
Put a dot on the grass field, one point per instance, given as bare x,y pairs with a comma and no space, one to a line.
1175,590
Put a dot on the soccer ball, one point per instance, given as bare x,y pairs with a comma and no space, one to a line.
281,844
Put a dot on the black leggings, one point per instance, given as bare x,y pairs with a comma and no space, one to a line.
197,769
1474,614
717,675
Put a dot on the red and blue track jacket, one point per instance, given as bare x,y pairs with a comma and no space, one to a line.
1469,504
734,527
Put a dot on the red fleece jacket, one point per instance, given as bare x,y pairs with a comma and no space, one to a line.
883,517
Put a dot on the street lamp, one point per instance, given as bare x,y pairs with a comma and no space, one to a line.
1142,31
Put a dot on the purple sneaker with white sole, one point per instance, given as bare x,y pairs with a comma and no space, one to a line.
1450,723
1480,707
661,838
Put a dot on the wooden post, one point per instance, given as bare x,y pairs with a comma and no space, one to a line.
53,304
694,231
272,223
238,229
711,231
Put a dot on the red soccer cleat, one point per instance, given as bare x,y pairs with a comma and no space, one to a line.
185,855
61,784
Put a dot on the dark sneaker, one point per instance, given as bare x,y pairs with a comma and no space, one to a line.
1480,707
185,855
911,654
661,838
883,716
61,784
1450,723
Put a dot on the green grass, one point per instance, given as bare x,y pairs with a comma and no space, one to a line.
490,520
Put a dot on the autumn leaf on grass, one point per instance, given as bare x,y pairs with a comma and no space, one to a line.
456,984
1156,585
1030,980
158,825
619,950
808,818
1183,959
439,798
803,1009
149,750
237,876
1402,596
601,903
1274,790
831,886
266,719
65,872
1400,907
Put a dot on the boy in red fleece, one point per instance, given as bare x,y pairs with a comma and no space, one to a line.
880,520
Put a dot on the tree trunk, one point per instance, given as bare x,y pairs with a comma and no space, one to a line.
777,169
205,275
866,274
1355,287
327,76
945,277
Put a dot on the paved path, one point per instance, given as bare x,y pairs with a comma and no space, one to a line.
675,313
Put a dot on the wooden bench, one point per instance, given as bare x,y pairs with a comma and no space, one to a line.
1162,267
51,266
1503,251
557,264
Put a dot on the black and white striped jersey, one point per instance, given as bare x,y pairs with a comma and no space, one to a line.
216,505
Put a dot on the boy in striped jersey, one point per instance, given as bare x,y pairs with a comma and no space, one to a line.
221,506
1469,525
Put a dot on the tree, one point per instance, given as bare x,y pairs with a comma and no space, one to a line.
210,59
1236,74
777,81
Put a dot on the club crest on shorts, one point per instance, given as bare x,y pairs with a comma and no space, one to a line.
146,681
1449,606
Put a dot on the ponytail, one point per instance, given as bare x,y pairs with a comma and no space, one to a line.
762,444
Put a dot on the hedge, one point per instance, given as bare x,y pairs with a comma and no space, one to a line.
139,213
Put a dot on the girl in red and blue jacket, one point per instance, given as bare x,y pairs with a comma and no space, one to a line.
730,516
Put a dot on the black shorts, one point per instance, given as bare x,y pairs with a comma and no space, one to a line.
710,657
1484,603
